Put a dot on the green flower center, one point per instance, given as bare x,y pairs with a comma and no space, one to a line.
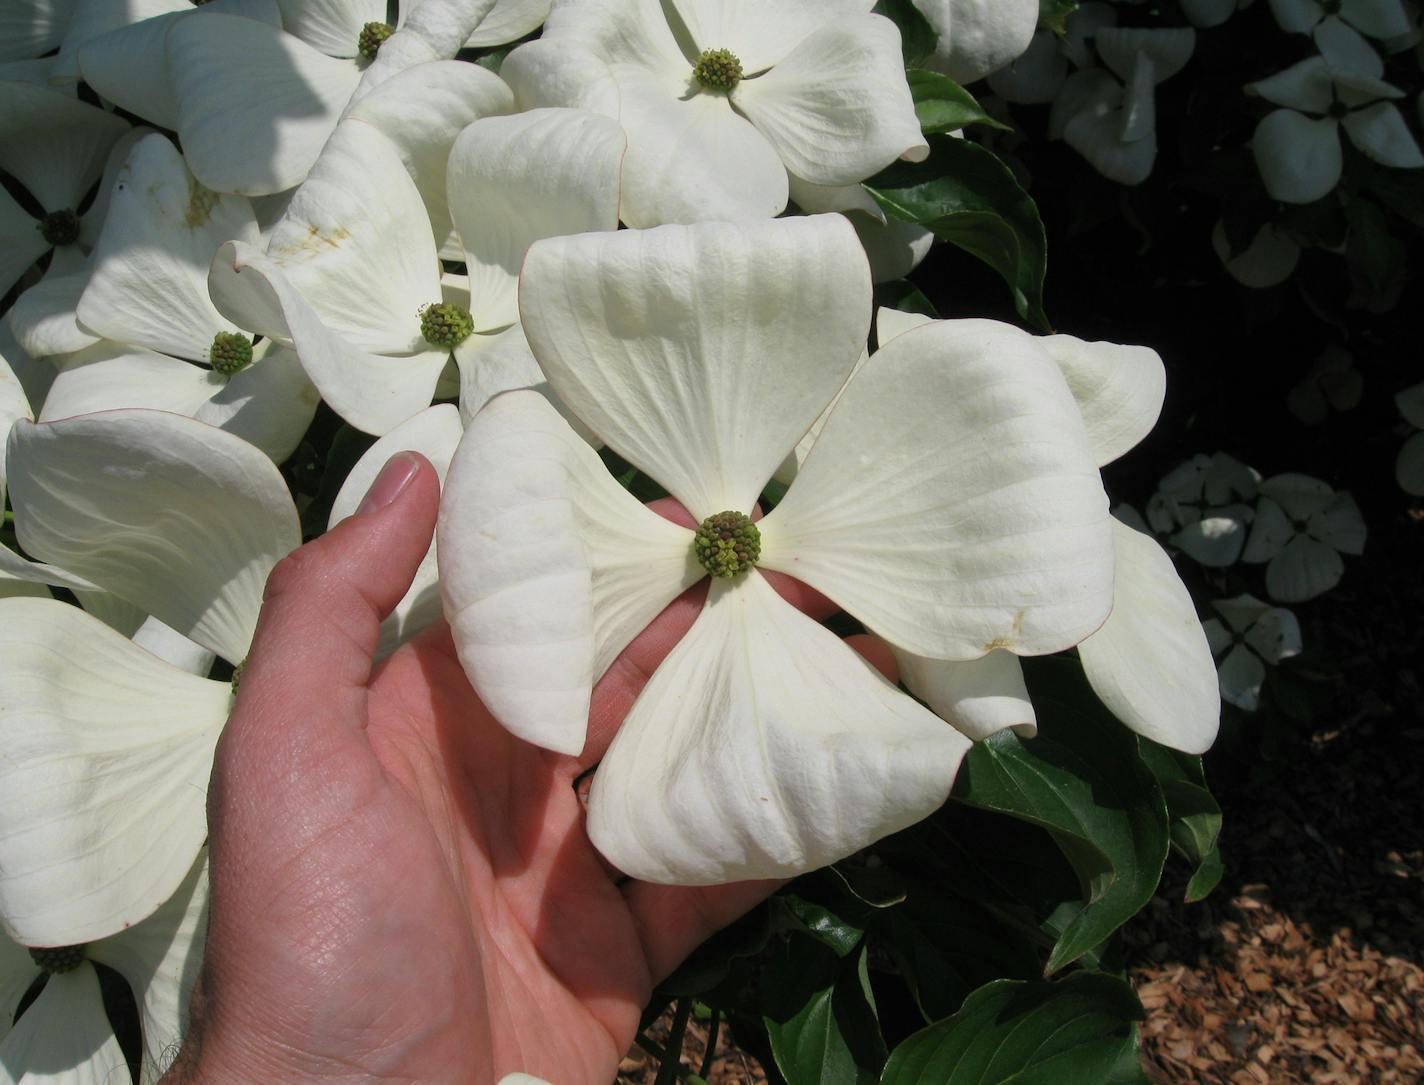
369,41
445,326
718,69
727,543
237,676
60,227
230,353
57,959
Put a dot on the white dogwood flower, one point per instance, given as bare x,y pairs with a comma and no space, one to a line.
951,503
1301,528
1249,635
722,100
976,37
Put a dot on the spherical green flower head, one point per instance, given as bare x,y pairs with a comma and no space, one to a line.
718,69
727,543
237,676
57,959
372,35
60,227
445,326
230,353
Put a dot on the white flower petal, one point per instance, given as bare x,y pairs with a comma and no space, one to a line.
837,108
20,241
421,110
174,648
977,37
149,283
1378,18
763,747
1269,260
508,20
515,180
1169,49
17,972
1305,86
108,753
269,404
893,247
331,26
64,1038
1301,496
1217,636
128,66
700,353
356,244
372,392
1409,466
1036,76
1296,16
491,364
621,32
1304,569
1410,402
1205,14
1150,663
1380,132
1216,540
1118,388
177,517
1241,612
1096,132
1339,524
1346,50
1299,158
1271,529
692,157
890,323
814,199
29,28
53,144
952,502
255,104
434,433
548,568
43,317
979,697
1240,678
1275,635
560,74
760,34
108,376
160,958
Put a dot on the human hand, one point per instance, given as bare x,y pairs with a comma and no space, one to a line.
402,890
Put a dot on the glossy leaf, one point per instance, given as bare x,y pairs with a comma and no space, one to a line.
1053,14
1192,811
1083,781
942,105
966,196
820,1018
1077,1031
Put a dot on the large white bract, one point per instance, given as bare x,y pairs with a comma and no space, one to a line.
951,502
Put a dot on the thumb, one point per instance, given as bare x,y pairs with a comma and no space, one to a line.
305,677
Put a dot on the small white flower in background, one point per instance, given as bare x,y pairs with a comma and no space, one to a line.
723,101
1332,384
1297,149
748,754
31,28
1269,259
1409,466
1337,26
108,747
65,1034
1209,13
1301,528
1249,635
351,275
977,37
1202,505
56,147
1037,76
1113,125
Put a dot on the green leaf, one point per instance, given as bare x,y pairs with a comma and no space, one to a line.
1192,810
1375,256
906,296
917,38
966,196
1206,877
942,105
819,1017
1076,1031
1053,14
841,935
1083,781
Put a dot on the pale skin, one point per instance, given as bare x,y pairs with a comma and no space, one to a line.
401,890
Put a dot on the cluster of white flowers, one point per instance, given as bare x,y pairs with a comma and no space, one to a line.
278,228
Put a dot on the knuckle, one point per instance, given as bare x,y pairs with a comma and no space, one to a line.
298,571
